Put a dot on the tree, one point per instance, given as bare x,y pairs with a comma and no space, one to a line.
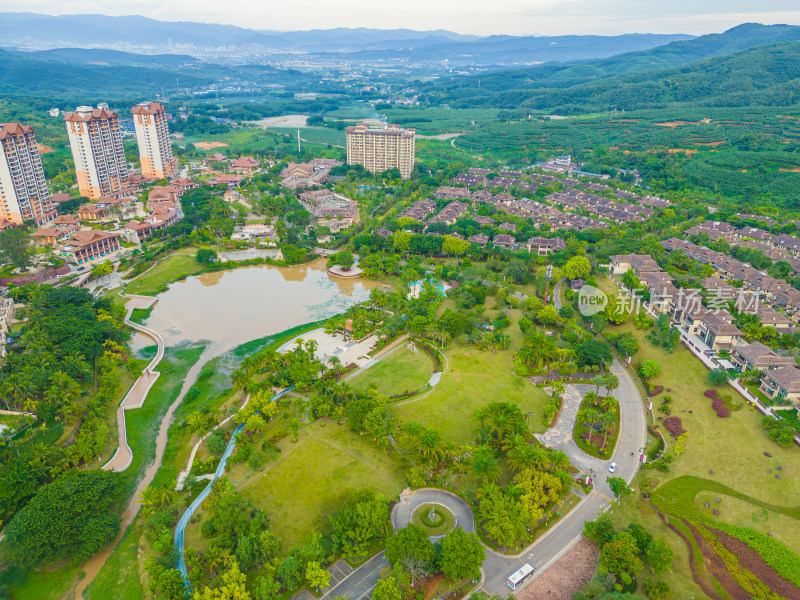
462,555
618,487
344,258
649,369
594,353
392,588
103,269
548,316
15,248
718,376
640,535
621,555
205,256
601,530
316,576
165,583
577,267
779,431
73,517
660,555
484,465
518,271
233,586
455,246
627,345
656,590
411,550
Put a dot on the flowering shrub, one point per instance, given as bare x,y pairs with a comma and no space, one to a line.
657,389
718,404
674,426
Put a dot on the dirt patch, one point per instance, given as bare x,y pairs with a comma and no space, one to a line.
687,151
792,170
710,143
209,145
565,576
431,585
43,149
752,561
674,124
716,567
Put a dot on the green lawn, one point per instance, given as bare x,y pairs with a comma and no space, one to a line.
305,484
167,270
474,379
419,518
400,372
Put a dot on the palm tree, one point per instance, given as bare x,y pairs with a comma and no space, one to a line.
612,383
148,498
607,420
484,465
558,460
240,379
431,446
335,364
558,389
599,381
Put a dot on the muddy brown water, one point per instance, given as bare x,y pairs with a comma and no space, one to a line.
226,309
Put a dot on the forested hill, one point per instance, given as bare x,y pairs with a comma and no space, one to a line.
763,76
511,88
20,75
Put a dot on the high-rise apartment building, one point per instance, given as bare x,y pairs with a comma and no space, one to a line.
96,142
23,189
380,149
152,133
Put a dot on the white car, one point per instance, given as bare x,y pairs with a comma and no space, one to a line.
612,467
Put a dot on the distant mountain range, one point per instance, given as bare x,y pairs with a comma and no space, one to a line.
30,30
739,67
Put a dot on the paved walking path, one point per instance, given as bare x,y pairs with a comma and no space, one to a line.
138,393
184,521
563,534
561,433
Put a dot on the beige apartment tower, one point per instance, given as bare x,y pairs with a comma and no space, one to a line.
96,143
152,134
23,189
381,148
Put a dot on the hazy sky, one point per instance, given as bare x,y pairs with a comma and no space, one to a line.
520,17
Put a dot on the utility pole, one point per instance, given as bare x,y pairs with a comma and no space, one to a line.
298,144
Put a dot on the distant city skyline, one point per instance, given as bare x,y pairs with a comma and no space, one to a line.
477,17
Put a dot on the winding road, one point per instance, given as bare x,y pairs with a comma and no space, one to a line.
559,538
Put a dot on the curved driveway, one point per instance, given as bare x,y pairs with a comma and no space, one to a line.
408,503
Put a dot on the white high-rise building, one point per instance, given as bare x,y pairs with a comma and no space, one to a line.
23,189
96,143
152,134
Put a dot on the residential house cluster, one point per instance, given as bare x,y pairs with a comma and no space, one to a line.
713,326
310,174
777,247
540,246
767,288
420,210
330,209
601,206
450,213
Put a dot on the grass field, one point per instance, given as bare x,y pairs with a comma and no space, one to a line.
315,135
167,270
400,372
474,379
305,484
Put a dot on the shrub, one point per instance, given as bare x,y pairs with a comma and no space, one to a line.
674,426
718,404
680,444
712,393
656,390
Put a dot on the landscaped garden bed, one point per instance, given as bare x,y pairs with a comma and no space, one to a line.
442,521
